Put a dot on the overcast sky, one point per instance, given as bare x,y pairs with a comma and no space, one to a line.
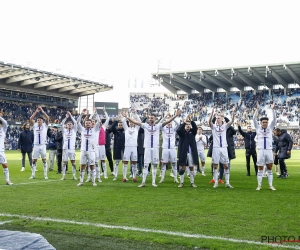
114,41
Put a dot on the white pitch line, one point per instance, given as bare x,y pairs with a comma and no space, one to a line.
180,234
25,183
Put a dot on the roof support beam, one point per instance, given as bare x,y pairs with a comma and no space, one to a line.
292,74
4,69
12,73
246,79
216,81
60,85
183,87
53,82
76,90
20,78
279,79
189,84
33,81
261,78
168,87
231,81
203,83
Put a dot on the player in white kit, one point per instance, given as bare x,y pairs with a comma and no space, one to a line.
264,132
40,128
100,153
201,142
69,140
130,151
219,152
3,161
168,145
87,148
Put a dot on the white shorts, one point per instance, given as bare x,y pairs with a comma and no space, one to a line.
190,161
264,156
102,152
2,158
168,155
68,154
220,155
201,155
39,150
130,154
86,156
151,156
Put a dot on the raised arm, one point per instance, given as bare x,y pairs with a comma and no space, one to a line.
178,113
210,117
256,125
106,117
232,117
134,121
4,122
240,129
273,123
31,121
79,119
124,120
73,120
47,119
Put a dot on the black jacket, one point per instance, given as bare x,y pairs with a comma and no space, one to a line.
140,140
108,139
119,140
25,143
248,138
284,144
52,143
59,140
187,139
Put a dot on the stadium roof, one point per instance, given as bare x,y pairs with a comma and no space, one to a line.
227,78
25,79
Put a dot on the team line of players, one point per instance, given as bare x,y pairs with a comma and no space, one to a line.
191,145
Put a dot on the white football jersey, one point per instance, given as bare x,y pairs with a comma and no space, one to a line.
88,142
151,139
264,136
40,134
131,134
219,135
3,130
69,137
168,134
200,143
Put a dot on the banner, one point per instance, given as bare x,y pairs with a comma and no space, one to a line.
111,108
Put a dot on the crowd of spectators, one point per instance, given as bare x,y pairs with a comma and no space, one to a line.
199,106
30,97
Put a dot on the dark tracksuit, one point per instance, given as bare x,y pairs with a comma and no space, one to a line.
25,144
284,144
250,146
59,145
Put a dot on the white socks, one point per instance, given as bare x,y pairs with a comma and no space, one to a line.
154,170
216,173
259,176
270,178
45,169
226,172
192,176
163,171
125,166
133,170
6,173
33,168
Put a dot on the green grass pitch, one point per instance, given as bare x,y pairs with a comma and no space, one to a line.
117,215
